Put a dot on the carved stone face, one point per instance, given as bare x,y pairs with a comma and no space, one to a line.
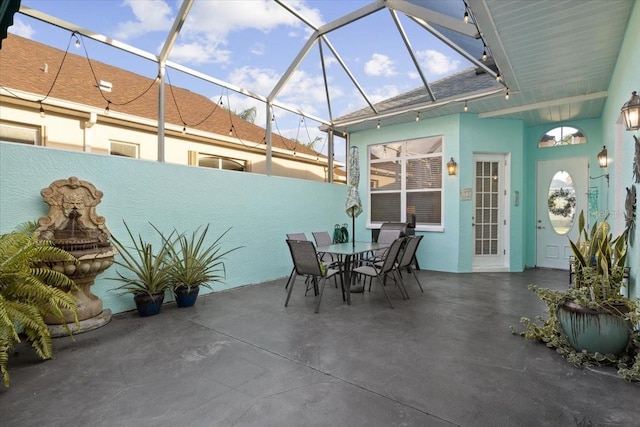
72,201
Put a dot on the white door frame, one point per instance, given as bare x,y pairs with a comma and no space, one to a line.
501,262
552,249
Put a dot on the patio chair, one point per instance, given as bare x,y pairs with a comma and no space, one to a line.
406,260
382,270
323,238
294,236
306,263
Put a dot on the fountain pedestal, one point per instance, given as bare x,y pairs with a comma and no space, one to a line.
73,225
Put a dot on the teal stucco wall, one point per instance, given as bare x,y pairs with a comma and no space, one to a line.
625,79
260,209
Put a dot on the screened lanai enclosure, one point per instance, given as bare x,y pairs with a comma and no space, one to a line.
284,88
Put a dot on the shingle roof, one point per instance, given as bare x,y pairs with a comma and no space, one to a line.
22,63
470,80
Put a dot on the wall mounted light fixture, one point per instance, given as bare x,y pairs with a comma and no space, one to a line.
631,112
603,160
452,167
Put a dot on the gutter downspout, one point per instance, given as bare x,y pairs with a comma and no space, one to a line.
93,118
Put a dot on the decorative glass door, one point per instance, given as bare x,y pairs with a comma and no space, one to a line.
489,223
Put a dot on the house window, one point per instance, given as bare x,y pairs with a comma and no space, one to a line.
217,162
23,134
124,149
406,179
563,135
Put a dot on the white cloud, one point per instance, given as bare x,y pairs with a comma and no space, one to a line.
21,29
329,61
436,62
151,15
379,65
379,94
258,49
199,53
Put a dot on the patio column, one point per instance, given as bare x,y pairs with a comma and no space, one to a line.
268,140
161,73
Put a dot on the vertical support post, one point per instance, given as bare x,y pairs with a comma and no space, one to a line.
268,139
330,149
161,72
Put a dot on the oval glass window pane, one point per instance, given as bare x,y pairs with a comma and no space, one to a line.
561,203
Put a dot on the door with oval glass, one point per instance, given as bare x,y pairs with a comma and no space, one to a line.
561,193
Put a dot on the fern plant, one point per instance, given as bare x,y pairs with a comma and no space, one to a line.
29,290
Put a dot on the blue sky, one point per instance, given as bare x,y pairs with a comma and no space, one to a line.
250,44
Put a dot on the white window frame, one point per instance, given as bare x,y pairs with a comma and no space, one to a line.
136,148
35,131
403,182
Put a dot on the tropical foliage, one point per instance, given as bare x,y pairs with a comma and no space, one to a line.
599,266
29,290
145,265
193,261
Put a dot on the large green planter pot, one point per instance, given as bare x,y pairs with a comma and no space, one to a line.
592,330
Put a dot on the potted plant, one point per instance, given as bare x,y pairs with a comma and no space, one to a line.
592,321
29,290
193,263
148,271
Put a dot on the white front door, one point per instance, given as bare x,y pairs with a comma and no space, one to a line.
561,193
490,228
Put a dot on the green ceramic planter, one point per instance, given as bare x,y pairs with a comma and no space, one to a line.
593,331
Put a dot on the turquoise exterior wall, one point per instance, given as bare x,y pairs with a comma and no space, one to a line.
260,209
625,79
593,131
493,136
464,135
438,250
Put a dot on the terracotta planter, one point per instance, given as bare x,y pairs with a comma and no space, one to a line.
186,296
149,305
594,331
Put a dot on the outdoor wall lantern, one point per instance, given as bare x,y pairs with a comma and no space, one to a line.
603,161
631,112
452,167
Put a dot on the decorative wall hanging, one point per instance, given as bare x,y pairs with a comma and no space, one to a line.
630,212
636,161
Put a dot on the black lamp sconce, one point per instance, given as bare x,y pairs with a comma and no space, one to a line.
603,161
631,112
452,167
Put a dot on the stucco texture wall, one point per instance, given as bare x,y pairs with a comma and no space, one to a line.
625,79
260,209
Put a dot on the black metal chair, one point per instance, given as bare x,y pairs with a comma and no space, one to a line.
383,269
306,263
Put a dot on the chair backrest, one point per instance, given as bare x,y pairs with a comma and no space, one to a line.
305,257
391,255
400,226
410,248
322,238
388,236
296,236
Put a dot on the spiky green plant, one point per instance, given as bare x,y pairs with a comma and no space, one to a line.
145,265
194,262
29,290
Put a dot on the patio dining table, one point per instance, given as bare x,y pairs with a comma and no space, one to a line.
348,252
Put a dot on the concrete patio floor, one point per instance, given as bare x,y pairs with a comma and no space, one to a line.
239,358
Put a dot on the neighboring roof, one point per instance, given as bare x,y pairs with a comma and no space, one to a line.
466,82
22,67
